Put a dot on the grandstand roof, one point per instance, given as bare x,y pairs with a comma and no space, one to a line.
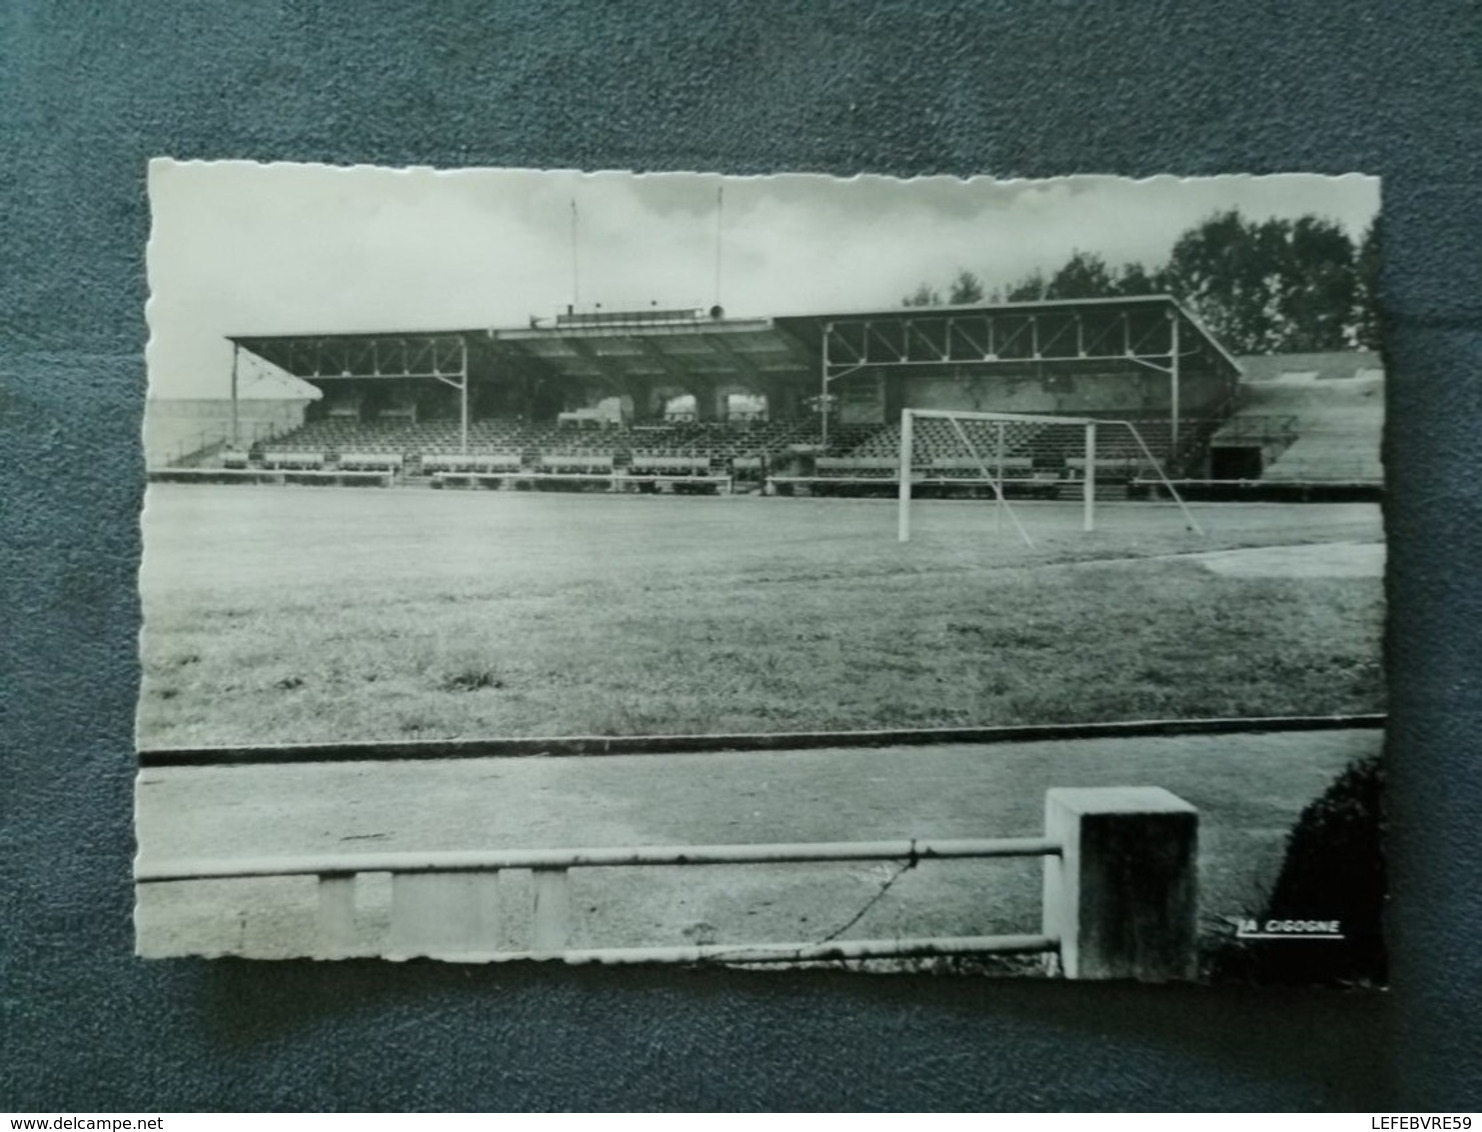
694,347
691,345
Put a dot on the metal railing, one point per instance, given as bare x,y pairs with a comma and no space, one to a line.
616,482
1112,905
206,442
1268,428
433,893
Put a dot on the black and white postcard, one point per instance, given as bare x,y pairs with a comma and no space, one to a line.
969,576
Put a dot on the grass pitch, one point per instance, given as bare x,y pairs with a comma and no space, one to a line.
313,614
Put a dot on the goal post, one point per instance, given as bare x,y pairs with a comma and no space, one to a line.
992,469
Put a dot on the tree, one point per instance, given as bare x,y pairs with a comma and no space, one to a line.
1261,287
1030,289
923,296
1273,287
1318,287
1084,276
1365,329
1134,279
966,288
1220,268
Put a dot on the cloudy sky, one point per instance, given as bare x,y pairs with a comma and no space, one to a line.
239,248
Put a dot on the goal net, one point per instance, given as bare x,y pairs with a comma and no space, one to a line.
1021,455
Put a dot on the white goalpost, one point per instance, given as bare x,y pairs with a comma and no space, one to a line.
993,470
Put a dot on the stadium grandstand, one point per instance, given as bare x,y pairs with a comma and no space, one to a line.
1304,418
691,400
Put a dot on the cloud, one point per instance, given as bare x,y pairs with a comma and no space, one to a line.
241,248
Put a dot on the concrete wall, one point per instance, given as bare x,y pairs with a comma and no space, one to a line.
175,428
1201,391
861,399
1029,393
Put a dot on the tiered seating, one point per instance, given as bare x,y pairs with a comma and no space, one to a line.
719,440
748,469
292,459
1327,423
843,439
339,434
661,464
501,445
440,437
485,464
935,439
877,466
1315,370
883,443
486,437
965,467
371,461
1020,438
1117,449
577,465
937,445
1338,454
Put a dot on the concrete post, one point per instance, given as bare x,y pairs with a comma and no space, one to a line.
335,916
1123,895
552,910
236,428
441,914
708,403
828,332
719,397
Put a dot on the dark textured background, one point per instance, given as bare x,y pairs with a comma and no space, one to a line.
90,90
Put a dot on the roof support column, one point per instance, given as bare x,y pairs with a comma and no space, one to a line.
236,353
462,388
828,332
708,401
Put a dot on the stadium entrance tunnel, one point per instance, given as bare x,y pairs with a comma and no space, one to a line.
1235,463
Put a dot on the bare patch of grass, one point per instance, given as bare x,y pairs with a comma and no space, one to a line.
472,681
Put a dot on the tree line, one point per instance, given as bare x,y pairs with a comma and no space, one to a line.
1276,286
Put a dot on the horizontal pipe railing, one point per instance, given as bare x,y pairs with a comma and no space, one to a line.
488,860
1120,892
270,475
925,477
1336,481
834,950
618,478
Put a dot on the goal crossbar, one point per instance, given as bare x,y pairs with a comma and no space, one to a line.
994,474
